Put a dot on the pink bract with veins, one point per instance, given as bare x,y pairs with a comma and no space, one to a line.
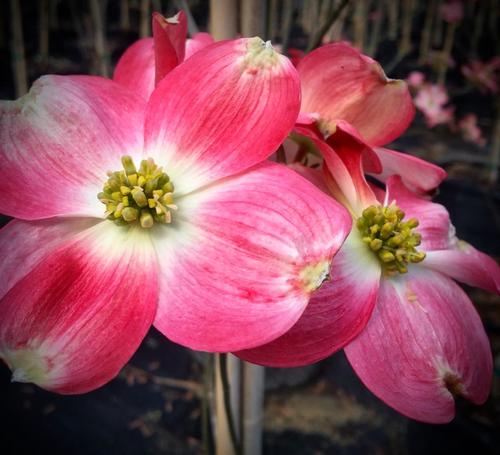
147,61
346,92
233,265
413,338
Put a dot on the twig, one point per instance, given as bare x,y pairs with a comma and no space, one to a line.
425,39
317,37
438,26
374,39
145,18
405,42
272,20
400,55
393,8
360,24
17,49
192,386
495,147
223,19
124,15
287,23
446,53
192,27
99,38
43,31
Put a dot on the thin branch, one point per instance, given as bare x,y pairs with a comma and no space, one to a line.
17,49
192,386
317,37
287,24
192,27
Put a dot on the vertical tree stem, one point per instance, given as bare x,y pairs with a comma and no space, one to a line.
360,8
273,20
316,38
405,43
393,8
337,28
438,26
425,39
446,53
124,15
192,27
99,38
374,39
227,390
495,146
478,26
17,49
253,407
43,31
223,19
145,19
253,18
287,23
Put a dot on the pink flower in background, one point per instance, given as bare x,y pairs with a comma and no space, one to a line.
484,75
147,61
470,130
409,331
166,213
431,100
452,11
346,93
415,79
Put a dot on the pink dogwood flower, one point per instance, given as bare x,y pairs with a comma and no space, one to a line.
470,130
484,75
147,61
130,214
452,11
415,79
409,331
344,91
431,100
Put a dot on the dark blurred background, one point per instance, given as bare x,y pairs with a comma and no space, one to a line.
448,52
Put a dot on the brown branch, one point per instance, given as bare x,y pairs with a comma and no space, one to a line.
317,37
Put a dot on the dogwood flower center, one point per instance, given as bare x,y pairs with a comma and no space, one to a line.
140,197
391,239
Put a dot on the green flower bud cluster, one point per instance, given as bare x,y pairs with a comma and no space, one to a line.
393,240
143,196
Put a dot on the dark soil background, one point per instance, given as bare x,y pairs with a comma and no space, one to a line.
322,409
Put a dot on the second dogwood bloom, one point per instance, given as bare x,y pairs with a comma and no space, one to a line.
409,331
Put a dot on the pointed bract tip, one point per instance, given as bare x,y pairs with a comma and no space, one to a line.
27,365
19,375
259,55
312,276
174,19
